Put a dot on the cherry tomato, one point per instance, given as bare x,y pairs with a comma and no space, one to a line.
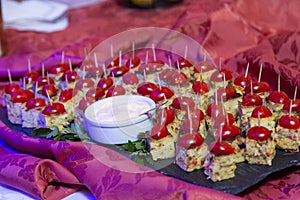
228,131
21,96
193,139
115,91
200,87
67,94
213,109
97,93
133,63
146,88
148,68
278,97
59,68
258,87
166,74
261,111
159,131
218,76
252,100
289,122
44,80
10,88
130,78
118,71
113,63
183,103
84,83
295,105
226,93
95,71
85,102
221,120
105,83
195,113
30,77
205,66
51,89
69,75
56,108
242,81
35,103
161,93
178,78
187,124
221,147
258,133
165,116
182,63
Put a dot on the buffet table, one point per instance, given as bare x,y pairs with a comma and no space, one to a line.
237,31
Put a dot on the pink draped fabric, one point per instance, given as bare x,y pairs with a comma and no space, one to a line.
238,31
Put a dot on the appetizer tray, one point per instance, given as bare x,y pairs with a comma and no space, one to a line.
247,175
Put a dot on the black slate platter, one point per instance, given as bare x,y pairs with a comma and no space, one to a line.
247,175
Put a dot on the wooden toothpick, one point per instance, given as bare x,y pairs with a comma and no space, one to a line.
260,71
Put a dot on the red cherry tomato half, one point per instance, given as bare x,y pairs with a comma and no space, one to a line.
226,93
105,83
221,120
115,91
252,100
85,102
289,122
51,89
84,83
182,63
10,88
200,87
97,93
228,131
188,124
204,67
258,87
118,71
159,131
195,113
30,77
183,103
21,96
278,97
35,103
146,88
148,68
133,63
55,109
71,76
218,76
214,110
95,71
261,111
190,140
44,80
130,78
178,78
165,116
166,74
113,63
161,93
242,81
221,147
67,94
258,133
59,68
295,105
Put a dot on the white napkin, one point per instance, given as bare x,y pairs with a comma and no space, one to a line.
35,15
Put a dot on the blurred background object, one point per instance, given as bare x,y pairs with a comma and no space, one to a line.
148,3
3,43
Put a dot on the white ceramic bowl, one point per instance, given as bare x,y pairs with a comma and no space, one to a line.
115,120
